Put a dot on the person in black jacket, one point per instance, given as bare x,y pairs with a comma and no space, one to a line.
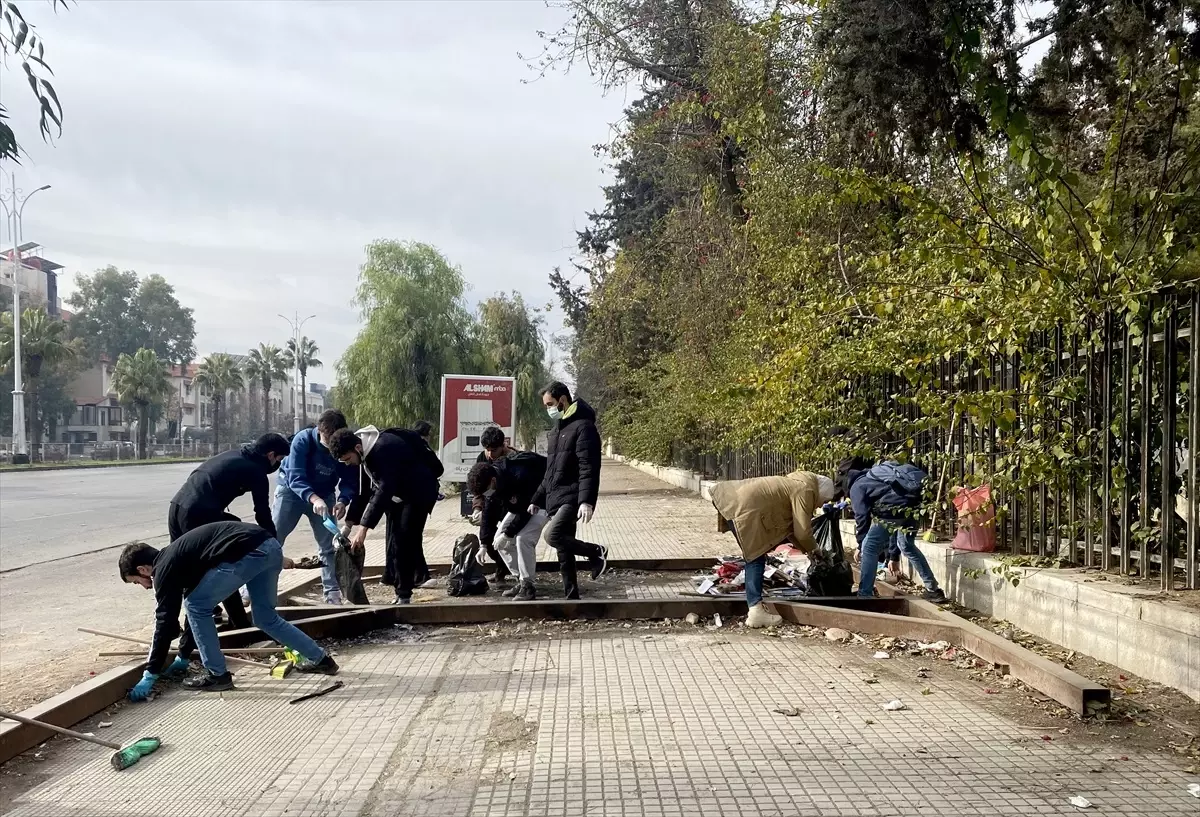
508,485
572,482
402,485
195,571
495,448
210,489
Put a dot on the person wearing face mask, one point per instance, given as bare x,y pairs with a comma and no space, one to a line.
572,483
206,494
306,486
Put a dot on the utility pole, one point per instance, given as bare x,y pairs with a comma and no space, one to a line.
20,454
296,325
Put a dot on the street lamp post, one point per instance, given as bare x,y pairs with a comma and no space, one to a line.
297,325
20,454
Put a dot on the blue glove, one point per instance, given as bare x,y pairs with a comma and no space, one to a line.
178,668
141,690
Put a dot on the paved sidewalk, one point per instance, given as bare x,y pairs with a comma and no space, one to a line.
553,719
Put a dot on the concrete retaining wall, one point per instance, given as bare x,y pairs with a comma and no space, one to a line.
1137,630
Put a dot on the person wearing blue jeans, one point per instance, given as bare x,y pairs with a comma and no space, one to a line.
204,564
887,500
305,488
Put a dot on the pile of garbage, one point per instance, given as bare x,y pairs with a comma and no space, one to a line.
786,574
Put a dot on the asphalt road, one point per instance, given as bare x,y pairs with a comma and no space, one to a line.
59,537
51,515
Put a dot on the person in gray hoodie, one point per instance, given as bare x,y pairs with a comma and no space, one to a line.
401,484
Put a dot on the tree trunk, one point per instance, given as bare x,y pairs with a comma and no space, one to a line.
143,429
266,389
216,425
303,399
33,419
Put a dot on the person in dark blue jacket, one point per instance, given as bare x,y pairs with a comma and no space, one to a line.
305,488
887,499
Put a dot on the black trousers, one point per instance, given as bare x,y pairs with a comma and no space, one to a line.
560,535
180,520
403,539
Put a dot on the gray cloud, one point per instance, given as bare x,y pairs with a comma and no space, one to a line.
248,151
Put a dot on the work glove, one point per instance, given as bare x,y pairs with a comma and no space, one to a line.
319,506
178,668
532,510
585,513
141,690
476,518
339,510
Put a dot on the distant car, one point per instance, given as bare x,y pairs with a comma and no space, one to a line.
114,450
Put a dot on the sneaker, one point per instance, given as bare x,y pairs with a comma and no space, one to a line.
326,666
512,591
334,598
525,592
600,563
402,600
428,584
210,683
758,618
937,596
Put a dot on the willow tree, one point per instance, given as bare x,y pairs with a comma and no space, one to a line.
415,328
510,331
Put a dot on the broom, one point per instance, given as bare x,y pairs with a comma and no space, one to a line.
937,499
123,756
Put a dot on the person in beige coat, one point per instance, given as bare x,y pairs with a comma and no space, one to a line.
765,512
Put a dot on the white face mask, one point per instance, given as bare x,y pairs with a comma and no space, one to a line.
555,412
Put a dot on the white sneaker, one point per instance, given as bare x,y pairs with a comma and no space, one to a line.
760,618
334,598
428,584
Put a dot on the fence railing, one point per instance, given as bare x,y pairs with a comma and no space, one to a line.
1088,435
111,451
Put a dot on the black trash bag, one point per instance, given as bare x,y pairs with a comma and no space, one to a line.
829,574
466,574
349,568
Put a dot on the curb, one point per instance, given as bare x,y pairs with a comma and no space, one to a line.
69,466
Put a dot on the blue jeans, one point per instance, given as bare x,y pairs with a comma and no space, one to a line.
874,548
258,570
289,510
754,580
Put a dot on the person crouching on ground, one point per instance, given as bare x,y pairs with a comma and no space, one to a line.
508,485
196,571
495,449
887,500
765,512
402,486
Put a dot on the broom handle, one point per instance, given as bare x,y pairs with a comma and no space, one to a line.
116,747
942,479
230,659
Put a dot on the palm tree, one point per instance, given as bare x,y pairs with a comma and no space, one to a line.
301,356
265,364
220,375
44,345
141,381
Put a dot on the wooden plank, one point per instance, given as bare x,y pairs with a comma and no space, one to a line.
864,621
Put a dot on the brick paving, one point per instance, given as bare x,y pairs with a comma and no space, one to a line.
612,722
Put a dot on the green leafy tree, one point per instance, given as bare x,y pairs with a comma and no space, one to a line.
416,328
219,375
118,313
140,381
510,332
20,42
302,356
265,365
47,359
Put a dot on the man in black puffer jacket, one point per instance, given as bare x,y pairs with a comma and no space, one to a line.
402,485
572,483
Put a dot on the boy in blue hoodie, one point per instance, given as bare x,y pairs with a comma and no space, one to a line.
306,488
887,501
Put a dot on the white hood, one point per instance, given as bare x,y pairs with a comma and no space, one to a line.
369,436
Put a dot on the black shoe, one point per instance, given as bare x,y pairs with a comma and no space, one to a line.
525,592
512,591
599,563
210,683
326,666
935,596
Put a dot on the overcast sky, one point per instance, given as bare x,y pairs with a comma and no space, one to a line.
247,151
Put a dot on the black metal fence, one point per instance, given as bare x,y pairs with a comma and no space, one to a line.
1087,434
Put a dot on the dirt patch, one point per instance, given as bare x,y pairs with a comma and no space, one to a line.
509,732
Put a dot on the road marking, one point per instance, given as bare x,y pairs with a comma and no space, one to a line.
52,515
